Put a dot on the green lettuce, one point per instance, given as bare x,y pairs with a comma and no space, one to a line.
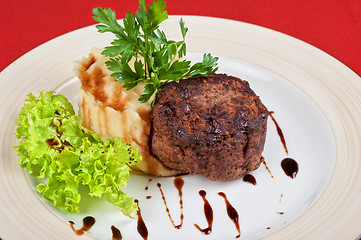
55,146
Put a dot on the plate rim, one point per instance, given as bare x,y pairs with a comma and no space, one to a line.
323,55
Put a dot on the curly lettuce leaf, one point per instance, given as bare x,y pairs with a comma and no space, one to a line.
55,146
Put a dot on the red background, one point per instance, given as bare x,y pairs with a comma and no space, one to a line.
334,26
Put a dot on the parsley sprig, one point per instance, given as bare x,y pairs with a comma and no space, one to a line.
141,52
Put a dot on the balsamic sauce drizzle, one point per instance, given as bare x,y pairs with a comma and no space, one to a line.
116,233
290,167
141,227
232,213
88,222
208,212
52,142
147,187
279,131
178,183
265,164
250,179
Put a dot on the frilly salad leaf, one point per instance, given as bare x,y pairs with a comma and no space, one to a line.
55,146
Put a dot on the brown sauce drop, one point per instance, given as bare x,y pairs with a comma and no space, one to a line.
147,187
53,143
88,222
232,213
279,131
290,167
208,212
281,213
60,149
268,228
58,133
116,233
250,179
141,227
66,143
265,164
178,183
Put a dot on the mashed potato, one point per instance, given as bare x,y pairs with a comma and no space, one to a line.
111,111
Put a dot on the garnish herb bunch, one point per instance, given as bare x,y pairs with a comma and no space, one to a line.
155,59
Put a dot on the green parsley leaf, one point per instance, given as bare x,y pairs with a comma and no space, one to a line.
157,60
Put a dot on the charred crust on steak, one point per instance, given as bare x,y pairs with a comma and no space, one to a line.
214,125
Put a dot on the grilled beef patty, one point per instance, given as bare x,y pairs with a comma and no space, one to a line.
214,125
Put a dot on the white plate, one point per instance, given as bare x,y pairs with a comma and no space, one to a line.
316,100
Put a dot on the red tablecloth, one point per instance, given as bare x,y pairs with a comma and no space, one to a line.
334,26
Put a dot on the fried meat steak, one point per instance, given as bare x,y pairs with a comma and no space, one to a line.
214,125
